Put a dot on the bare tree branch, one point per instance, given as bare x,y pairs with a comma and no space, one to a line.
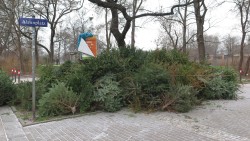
113,5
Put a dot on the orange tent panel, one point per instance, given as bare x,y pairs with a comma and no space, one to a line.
92,43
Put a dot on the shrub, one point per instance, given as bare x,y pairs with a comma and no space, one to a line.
74,75
58,101
222,84
47,75
133,58
80,82
121,62
217,88
145,89
108,94
24,94
104,64
7,88
153,79
181,98
190,74
227,73
61,72
84,89
168,57
132,93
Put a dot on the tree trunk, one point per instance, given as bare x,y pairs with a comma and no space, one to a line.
247,65
133,34
201,46
20,51
184,31
243,7
133,24
232,59
242,50
59,52
184,46
52,45
1,49
107,31
120,38
200,29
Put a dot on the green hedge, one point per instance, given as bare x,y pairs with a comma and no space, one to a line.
7,88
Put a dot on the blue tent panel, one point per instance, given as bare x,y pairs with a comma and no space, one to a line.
83,36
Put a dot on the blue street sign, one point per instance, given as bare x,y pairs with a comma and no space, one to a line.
33,22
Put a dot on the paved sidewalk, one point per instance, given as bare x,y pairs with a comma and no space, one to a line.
229,116
24,78
10,128
215,121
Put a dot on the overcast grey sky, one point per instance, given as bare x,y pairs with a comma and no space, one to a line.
222,20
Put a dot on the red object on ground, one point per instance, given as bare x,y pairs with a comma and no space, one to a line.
241,72
18,72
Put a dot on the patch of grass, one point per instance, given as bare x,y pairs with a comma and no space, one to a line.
218,106
245,81
130,115
187,117
25,117
196,120
5,114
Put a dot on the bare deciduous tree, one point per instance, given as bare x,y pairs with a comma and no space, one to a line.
242,7
184,21
5,27
108,33
13,9
53,11
200,11
212,43
114,7
135,9
169,26
230,43
179,25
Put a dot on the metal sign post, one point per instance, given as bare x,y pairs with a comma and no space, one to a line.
33,72
32,22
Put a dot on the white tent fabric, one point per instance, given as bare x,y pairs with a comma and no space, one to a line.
84,48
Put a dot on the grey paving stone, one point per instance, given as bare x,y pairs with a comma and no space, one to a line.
11,126
214,121
3,138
